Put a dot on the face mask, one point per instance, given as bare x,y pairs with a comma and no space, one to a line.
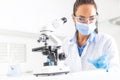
85,29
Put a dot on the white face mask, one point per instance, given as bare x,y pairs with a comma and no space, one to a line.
85,29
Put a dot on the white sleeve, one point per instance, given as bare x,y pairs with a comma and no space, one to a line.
112,50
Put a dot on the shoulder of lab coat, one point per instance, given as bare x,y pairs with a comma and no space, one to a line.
101,38
110,46
67,44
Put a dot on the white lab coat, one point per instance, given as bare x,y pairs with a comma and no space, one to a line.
104,44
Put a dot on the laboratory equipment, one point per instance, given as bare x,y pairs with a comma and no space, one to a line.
14,70
52,51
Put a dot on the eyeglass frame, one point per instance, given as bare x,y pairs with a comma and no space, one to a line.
85,19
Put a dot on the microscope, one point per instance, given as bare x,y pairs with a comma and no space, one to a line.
51,66
50,51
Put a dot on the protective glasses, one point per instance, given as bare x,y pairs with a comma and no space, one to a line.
83,20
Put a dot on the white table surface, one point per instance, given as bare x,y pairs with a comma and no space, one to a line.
91,75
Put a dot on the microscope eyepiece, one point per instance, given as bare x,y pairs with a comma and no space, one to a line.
64,19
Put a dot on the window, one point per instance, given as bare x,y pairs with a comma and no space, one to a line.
12,52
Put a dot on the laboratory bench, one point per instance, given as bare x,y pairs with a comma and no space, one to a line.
85,75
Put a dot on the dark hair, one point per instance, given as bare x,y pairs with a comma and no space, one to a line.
81,2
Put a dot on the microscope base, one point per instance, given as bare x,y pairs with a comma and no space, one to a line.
55,73
52,70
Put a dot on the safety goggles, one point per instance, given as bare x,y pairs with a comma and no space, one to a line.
83,20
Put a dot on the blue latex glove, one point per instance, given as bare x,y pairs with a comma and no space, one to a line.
101,62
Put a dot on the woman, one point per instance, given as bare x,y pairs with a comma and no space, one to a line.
88,49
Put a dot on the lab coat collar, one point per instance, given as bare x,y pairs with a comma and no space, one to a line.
74,39
92,38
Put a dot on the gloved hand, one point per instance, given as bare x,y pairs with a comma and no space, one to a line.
101,62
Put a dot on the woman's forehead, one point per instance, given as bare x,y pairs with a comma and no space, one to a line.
86,10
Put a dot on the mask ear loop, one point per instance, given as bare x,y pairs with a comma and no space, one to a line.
96,30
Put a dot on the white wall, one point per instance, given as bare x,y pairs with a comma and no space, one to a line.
31,15
108,9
